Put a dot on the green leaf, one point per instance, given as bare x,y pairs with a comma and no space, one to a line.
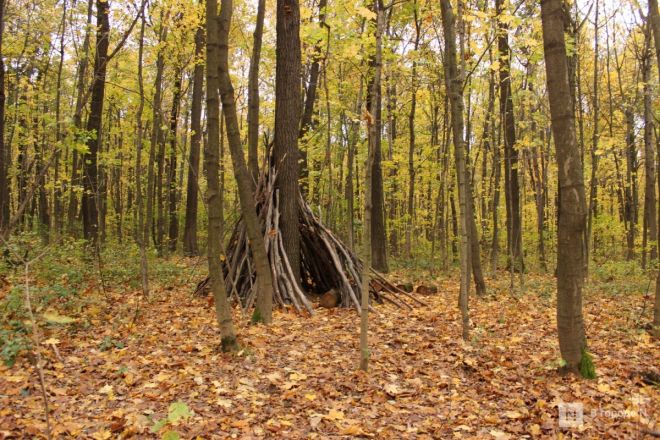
178,411
53,317
171,435
158,425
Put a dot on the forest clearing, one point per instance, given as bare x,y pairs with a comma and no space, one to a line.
329,219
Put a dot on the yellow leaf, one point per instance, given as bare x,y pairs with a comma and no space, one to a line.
366,13
310,396
513,414
103,434
224,403
52,341
352,430
107,389
333,414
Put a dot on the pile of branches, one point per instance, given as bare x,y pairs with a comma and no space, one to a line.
326,263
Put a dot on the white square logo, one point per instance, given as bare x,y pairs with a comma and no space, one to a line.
571,415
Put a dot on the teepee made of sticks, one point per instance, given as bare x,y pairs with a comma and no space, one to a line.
326,262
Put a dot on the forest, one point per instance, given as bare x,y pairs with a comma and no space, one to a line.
329,219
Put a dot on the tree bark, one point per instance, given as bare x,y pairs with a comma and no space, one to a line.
4,151
190,247
156,134
572,204
287,117
511,185
374,107
173,227
253,94
593,186
90,172
411,140
654,17
454,84
81,73
142,232
211,159
264,305
650,208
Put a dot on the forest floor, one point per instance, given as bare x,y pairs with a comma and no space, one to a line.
110,374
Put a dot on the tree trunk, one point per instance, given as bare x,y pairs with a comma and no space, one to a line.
572,205
90,173
411,140
511,185
650,208
253,94
654,17
264,305
287,117
190,230
374,107
593,185
173,229
142,232
81,73
57,194
4,151
454,84
156,134
211,159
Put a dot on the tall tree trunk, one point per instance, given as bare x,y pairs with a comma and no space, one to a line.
57,195
81,73
253,94
654,17
631,183
173,229
307,122
4,151
90,172
511,185
142,232
650,208
190,230
374,107
354,133
572,205
211,159
593,185
287,117
454,84
264,305
411,140
156,135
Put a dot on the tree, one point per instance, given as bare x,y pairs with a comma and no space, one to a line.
264,306
374,107
454,85
287,117
572,203
190,229
654,18
173,229
253,93
511,185
90,211
4,152
211,159
142,234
